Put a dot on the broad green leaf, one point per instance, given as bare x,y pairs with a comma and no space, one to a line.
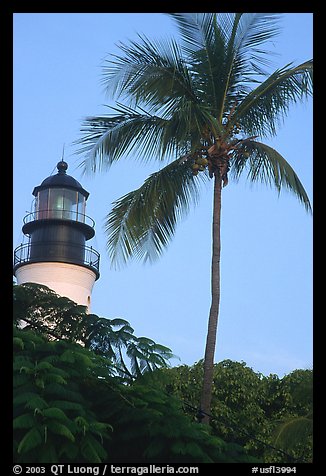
31,440
60,429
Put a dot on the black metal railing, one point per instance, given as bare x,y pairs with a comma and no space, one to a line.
57,251
59,215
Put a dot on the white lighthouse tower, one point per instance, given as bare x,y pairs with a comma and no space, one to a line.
56,254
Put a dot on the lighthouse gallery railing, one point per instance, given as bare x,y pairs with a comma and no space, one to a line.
61,214
90,257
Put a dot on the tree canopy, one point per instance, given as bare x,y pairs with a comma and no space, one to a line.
81,403
71,404
268,415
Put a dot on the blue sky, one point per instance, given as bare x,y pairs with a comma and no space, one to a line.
266,264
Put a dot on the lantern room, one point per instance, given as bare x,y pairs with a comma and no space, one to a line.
60,196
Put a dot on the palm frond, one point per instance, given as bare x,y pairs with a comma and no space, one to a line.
149,73
196,29
244,32
146,355
147,137
205,40
265,106
225,51
143,222
205,45
293,431
267,165
107,138
253,30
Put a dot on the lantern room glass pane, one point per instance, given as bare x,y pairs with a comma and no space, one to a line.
81,204
41,205
69,204
56,203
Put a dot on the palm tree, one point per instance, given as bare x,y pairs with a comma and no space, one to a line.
201,103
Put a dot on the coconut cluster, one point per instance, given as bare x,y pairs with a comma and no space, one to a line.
199,165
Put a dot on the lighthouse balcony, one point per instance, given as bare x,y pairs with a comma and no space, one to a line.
70,217
61,214
62,252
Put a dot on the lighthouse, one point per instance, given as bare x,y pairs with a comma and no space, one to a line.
56,254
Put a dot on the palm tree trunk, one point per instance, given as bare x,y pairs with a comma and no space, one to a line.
206,396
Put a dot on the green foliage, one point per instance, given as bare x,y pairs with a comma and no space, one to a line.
56,317
250,409
48,402
293,432
73,416
150,427
71,405
292,428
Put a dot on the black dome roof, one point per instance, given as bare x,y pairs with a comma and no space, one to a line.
61,180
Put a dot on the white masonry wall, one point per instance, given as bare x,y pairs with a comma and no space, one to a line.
70,280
